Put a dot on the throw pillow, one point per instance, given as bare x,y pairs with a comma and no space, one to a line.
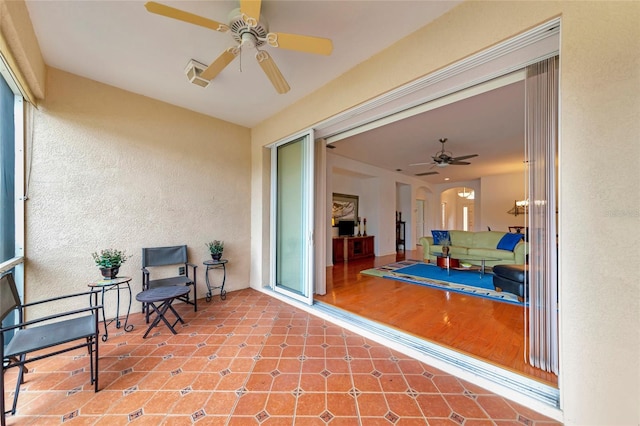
440,236
509,241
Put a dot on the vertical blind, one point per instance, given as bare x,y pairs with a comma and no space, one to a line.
541,326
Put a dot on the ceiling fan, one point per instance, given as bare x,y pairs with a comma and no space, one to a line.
249,30
445,158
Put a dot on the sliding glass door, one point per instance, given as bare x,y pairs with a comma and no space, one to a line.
292,217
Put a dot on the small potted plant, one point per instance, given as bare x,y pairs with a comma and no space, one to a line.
215,248
109,261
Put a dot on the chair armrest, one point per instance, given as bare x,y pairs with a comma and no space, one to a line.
193,267
520,251
50,317
66,296
145,278
426,242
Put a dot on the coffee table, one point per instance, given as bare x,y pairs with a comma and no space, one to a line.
448,261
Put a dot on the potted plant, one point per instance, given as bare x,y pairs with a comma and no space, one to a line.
215,248
109,261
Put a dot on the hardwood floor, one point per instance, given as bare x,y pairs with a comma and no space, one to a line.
482,328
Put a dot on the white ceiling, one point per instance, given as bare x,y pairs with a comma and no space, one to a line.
490,125
121,44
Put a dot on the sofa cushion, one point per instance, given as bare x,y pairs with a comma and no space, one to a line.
509,241
492,253
461,238
486,239
440,236
458,251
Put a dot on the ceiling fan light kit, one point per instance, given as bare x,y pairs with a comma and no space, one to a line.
249,30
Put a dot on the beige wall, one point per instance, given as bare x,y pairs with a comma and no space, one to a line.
599,175
114,169
499,192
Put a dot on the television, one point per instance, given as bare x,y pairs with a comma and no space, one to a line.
346,227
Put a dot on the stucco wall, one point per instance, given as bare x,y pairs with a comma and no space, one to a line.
110,168
599,183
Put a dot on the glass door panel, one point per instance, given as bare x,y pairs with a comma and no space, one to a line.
293,218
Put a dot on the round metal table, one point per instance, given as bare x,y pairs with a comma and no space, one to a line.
106,285
165,296
216,264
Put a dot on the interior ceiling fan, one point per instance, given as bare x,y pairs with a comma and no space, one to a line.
249,30
443,159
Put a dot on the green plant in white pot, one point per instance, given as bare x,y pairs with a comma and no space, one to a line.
216,247
109,261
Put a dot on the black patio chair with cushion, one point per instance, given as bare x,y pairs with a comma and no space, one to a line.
167,257
58,332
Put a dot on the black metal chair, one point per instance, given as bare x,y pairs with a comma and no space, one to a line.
42,337
168,256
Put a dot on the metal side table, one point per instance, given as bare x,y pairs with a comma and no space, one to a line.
106,285
216,264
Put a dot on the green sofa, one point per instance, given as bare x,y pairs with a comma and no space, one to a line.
476,245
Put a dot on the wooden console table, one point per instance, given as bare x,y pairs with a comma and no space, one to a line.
351,248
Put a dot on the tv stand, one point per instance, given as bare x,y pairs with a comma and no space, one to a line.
351,248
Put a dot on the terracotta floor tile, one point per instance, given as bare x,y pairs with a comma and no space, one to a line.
313,382
341,404
393,383
221,403
372,404
190,402
311,404
403,405
285,382
420,383
251,359
339,383
433,406
281,404
448,384
259,382
337,365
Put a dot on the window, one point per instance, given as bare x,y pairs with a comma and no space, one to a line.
11,175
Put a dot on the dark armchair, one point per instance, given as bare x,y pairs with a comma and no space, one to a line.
23,341
168,256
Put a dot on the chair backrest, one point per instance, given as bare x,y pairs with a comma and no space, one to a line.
9,297
160,256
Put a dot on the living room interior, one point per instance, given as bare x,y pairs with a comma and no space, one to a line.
111,167
365,164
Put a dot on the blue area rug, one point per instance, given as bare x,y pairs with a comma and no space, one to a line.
430,275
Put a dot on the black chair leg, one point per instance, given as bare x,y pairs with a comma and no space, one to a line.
195,298
97,370
20,380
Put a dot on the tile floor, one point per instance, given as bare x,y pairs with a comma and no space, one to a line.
249,360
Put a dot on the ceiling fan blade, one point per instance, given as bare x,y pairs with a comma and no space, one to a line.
421,164
321,46
181,15
271,70
459,163
427,173
464,157
219,64
251,8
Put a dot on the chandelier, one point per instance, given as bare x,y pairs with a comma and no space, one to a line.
466,193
